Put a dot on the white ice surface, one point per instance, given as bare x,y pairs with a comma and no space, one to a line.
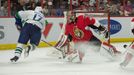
40,64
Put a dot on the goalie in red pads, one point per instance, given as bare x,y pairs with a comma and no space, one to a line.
77,32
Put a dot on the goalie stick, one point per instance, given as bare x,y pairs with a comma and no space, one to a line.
129,45
62,51
125,46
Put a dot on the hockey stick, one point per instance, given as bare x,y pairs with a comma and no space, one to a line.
62,51
129,44
64,23
62,32
125,46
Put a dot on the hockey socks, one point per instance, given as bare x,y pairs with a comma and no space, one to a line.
18,52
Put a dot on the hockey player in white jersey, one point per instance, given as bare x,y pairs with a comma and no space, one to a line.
130,49
30,24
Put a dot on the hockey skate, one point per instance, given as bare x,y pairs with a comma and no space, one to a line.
14,59
26,52
73,57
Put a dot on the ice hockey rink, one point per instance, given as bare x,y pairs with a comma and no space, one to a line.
39,63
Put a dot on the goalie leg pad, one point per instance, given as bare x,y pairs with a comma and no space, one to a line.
115,51
61,42
63,45
74,57
109,51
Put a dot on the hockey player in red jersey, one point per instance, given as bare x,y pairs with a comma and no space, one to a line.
130,49
76,33
77,28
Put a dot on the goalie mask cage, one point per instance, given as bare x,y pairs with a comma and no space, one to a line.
102,17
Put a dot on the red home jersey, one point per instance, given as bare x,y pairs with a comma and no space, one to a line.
77,29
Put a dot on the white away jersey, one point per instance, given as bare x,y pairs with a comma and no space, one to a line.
35,18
